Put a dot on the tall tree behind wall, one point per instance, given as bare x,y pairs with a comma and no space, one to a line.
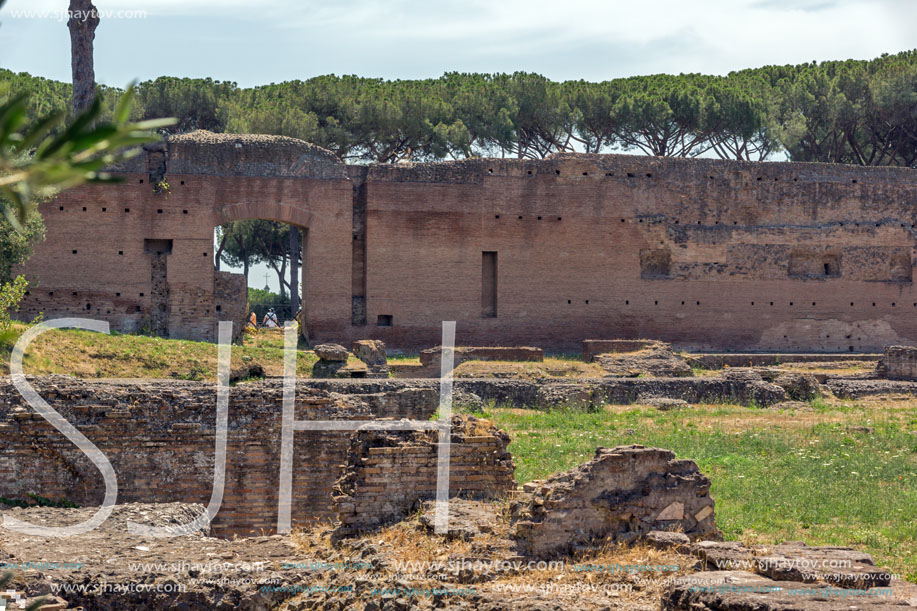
84,19
294,268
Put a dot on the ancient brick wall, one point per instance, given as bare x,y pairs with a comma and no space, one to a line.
387,473
97,260
230,298
705,254
160,436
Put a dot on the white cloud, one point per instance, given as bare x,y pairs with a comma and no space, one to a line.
253,42
729,33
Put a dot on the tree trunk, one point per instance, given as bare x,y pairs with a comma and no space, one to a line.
294,270
84,19
219,252
282,277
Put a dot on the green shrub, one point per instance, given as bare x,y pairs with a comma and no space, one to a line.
11,294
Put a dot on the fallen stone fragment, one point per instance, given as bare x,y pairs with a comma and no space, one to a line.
372,352
723,555
795,561
762,394
331,352
665,540
664,404
745,591
843,566
467,518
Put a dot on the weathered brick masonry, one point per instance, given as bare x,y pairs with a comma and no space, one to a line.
159,437
387,473
706,254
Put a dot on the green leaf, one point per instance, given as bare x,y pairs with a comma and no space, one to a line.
68,135
123,109
40,130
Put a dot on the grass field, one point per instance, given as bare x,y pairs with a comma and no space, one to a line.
776,476
87,354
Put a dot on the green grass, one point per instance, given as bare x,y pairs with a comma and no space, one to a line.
88,354
775,475
403,359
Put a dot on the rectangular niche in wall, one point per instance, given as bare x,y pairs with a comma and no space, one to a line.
900,267
384,320
157,247
814,263
489,284
655,263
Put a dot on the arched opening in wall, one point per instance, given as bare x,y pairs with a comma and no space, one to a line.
259,272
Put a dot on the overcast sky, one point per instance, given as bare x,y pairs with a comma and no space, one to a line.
570,39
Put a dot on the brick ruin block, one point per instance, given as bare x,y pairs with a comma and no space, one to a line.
372,352
333,363
898,363
621,494
389,473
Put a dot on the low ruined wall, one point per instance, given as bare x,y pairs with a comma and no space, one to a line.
621,494
764,359
594,347
431,357
387,473
899,363
160,436
614,391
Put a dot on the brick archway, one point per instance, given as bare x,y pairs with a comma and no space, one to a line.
295,216
291,214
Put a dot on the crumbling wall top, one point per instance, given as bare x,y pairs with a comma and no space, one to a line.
204,152
595,167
